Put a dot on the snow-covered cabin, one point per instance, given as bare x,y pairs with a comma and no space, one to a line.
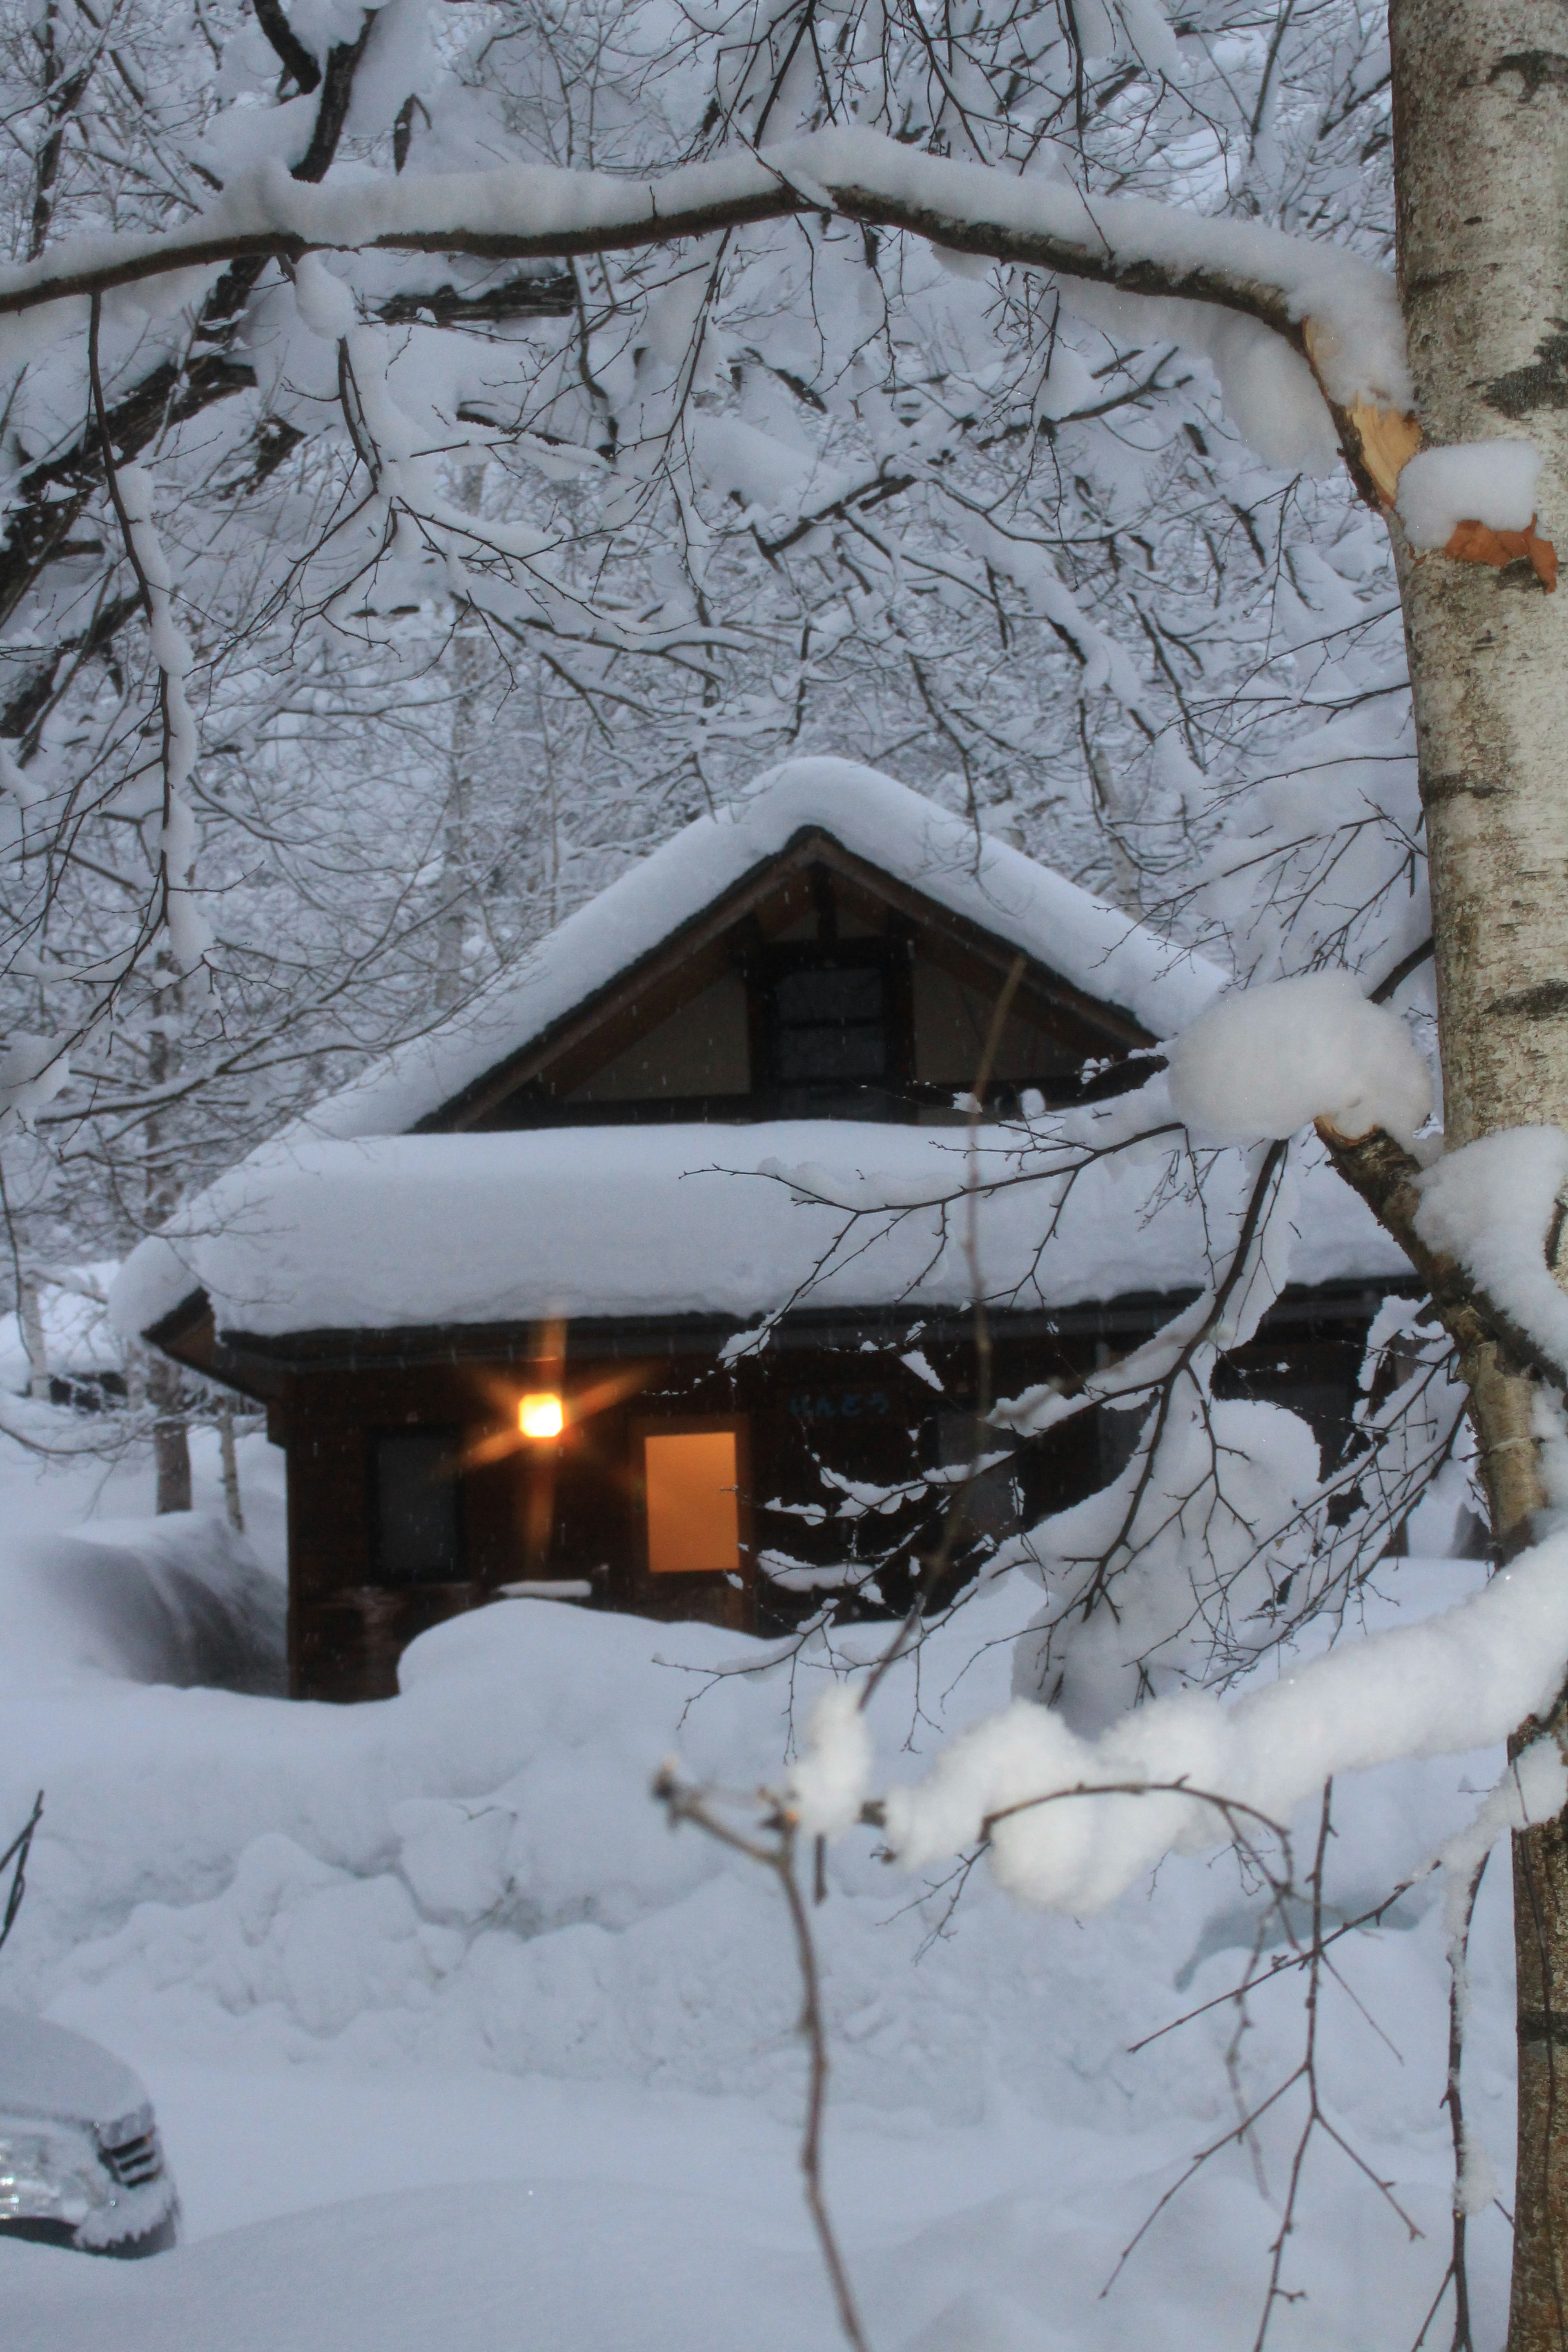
505,1296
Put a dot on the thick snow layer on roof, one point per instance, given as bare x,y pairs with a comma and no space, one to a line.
416,1230
1100,950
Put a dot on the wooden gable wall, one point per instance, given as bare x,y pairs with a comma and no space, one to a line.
693,1032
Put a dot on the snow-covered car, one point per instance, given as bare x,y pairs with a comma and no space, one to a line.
80,2162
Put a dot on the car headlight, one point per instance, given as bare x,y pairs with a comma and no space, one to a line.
50,2173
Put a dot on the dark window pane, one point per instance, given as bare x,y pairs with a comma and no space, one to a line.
831,992
806,1056
991,1499
830,1021
417,1534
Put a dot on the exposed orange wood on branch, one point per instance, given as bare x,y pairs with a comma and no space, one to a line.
1478,542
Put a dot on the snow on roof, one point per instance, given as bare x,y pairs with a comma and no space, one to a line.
1100,950
391,1232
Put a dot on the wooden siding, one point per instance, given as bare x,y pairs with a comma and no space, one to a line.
811,1417
680,1034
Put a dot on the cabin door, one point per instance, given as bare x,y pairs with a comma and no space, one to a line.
692,1523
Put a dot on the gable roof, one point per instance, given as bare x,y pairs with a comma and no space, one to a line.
1099,951
339,1217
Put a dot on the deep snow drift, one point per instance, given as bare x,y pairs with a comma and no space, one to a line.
451,2038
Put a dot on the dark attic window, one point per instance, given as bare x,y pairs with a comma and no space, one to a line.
418,1530
830,1020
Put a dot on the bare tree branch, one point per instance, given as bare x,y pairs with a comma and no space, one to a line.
296,57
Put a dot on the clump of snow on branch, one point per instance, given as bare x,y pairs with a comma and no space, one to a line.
33,1071
1491,482
1270,1060
1460,1680
1493,1205
324,303
833,1778
1267,388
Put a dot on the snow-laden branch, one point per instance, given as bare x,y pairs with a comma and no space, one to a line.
1337,309
1031,1790
1482,1227
130,494
1494,1208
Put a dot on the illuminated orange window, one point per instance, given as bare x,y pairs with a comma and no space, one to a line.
691,1478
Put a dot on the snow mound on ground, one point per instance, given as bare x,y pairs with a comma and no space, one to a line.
474,1873
566,2267
595,2266
180,1599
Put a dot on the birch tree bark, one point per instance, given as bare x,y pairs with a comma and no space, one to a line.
1481,168
166,1386
31,1310
466,662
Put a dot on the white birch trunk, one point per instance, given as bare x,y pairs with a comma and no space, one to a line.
229,1457
1480,92
1481,126
467,669
166,1386
30,1314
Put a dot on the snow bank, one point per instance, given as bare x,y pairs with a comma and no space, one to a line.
658,1220
1270,1060
179,1599
448,1937
583,2267
474,1872
327,1857
1491,482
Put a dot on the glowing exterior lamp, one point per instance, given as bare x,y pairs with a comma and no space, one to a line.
541,1416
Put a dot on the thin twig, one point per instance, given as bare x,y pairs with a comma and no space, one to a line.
775,1851
17,1853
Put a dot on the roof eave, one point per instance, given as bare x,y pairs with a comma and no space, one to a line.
269,1357
188,1335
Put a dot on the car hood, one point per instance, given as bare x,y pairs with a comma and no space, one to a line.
59,2076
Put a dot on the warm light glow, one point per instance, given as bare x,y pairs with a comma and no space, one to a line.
541,1416
693,1514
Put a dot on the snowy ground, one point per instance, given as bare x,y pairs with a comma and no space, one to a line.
453,2041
